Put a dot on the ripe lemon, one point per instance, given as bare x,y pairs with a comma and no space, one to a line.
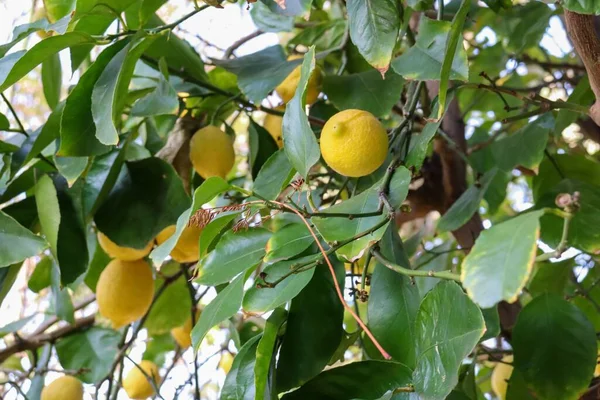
122,253
182,334
136,384
226,361
287,88
500,377
124,291
64,388
354,143
187,248
211,152
273,125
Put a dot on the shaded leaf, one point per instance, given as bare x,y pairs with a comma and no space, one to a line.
265,352
275,174
40,278
262,146
63,306
52,80
269,21
239,383
162,100
16,242
71,168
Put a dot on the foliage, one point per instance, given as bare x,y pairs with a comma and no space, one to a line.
323,286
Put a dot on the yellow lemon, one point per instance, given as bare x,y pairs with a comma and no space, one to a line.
122,253
500,377
226,361
182,334
273,125
287,88
124,291
211,152
136,382
354,143
64,388
187,248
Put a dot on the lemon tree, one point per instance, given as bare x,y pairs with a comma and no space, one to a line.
299,199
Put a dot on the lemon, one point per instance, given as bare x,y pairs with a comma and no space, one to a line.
226,361
182,334
136,384
211,152
124,291
500,377
354,143
273,125
187,248
64,388
287,88
122,253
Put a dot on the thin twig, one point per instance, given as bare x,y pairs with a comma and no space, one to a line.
240,42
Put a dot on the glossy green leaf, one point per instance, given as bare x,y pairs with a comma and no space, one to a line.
61,299
374,27
555,348
467,204
314,329
239,383
259,73
4,123
235,253
367,91
423,61
448,326
98,262
263,299
46,199
269,21
203,194
340,229
324,35
364,379
172,308
40,278
562,166
108,95
391,291
420,5
226,304
163,100
550,277
288,242
419,141
56,9
77,134
492,322
147,197
299,141
71,168
16,242
265,352
501,261
100,179
52,80
20,32
214,230
582,6
436,260
275,174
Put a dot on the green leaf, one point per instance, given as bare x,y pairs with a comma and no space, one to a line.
214,230
275,174
235,253
37,383
157,347
554,348
94,349
265,352
467,204
532,21
339,229
77,133
98,262
259,73
172,308
4,123
163,100
46,199
325,35
314,329
63,306
448,327
550,277
40,278
7,278
500,262
435,260
582,6
420,5
226,304
16,65
562,166
391,291
364,379
52,80
367,91
16,242
23,31
140,12
260,300
15,326
292,7
269,21
203,194
147,197
525,147
56,9
424,60
100,179
239,383
71,168
108,95
262,146
288,242
582,95
299,141
374,27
